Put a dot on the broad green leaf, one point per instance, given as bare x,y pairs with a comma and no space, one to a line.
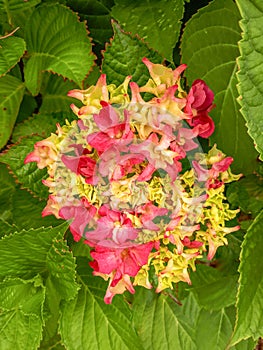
88,324
11,50
51,339
27,210
11,94
27,174
19,331
124,57
40,251
54,94
251,69
209,48
247,194
19,209
28,296
249,322
21,304
97,16
157,22
40,124
212,289
227,256
56,42
27,108
9,6
162,324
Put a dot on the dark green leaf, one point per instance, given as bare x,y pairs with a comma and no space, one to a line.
97,16
157,22
209,48
56,42
11,94
27,174
251,69
213,290
247,194
11,50
124,57
249,322
54,94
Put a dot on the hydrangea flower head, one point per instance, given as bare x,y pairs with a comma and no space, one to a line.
134,182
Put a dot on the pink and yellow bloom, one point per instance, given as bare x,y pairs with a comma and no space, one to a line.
133,182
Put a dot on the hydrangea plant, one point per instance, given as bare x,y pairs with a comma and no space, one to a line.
122,225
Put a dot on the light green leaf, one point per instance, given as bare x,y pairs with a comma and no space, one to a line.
11,94
124,57
251,69
88,324
212,289
28,296
27,174
56,42
21,304
209,48
247,194
16,5
157,22
54,95
11,50
19,331
249,322
40,251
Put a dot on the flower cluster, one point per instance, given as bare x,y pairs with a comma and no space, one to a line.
134,182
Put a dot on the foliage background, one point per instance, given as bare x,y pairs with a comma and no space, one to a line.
48,296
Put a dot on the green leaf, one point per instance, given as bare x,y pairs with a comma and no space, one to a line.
27,210
51,338
212,289
124,57
21,304
97,16
249,322
56,42
16,5
209,48
157,22
251,69
11,94
27,108
40,251
54,95
19,331
247,194
162,324
40,124
28,296
11,50
27,174
88,324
